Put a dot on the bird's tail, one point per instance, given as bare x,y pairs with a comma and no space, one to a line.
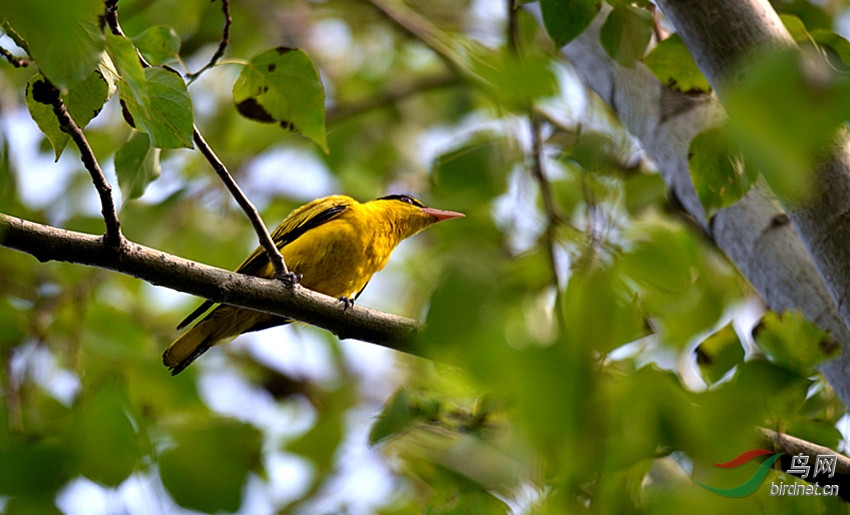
190,345
223,324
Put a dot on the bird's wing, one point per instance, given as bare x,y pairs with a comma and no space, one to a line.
297,223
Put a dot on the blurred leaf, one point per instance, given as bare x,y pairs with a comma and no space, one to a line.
835,48
208,467
63,37
720,175
476,170
719,353
783,130
642,191
83,102
566,19
672,64
136,165
102,436
394,418
282,86
626,33
158,44
793,342
599,313
320,443
516,82
34,469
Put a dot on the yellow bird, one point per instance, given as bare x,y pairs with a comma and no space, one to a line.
334,243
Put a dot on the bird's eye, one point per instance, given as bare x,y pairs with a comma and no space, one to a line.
405,198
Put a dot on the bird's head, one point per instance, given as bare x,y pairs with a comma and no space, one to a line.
408,215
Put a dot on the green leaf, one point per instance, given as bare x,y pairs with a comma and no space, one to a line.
164,110
793,342
516,82
674,66
123,55
784,130
102,436
718,353
626,33
207,468
599,313
566,19
33,469
158,44
64,38
136,165
282,86
83,101
834,46
394,418
319,444
720,175
475,170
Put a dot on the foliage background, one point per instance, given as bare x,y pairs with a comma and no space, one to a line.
562,313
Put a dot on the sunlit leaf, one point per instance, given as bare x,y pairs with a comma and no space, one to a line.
720,175
64,38
719,353
282,86
672,63
793,342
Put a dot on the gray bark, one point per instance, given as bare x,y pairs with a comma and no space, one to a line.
754,232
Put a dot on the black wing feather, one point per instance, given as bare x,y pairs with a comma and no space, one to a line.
260,260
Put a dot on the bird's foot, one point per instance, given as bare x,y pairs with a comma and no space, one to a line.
290,279
346,302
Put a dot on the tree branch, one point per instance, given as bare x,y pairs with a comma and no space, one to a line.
222,45
51,244
754,232
793,446
17,62
823,220
266,241
390,97
46,93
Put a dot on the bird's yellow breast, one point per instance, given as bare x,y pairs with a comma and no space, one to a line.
339,257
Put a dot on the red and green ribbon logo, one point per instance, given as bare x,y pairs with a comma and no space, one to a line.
749,486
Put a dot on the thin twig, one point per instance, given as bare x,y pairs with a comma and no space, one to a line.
47,243
17,62
222,45
390,97
266,241
46,93
420,28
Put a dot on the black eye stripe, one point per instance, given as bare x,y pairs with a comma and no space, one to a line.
404,198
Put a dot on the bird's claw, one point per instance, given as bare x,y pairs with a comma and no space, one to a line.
290,279
346,302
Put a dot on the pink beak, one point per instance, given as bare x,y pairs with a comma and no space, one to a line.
442,215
